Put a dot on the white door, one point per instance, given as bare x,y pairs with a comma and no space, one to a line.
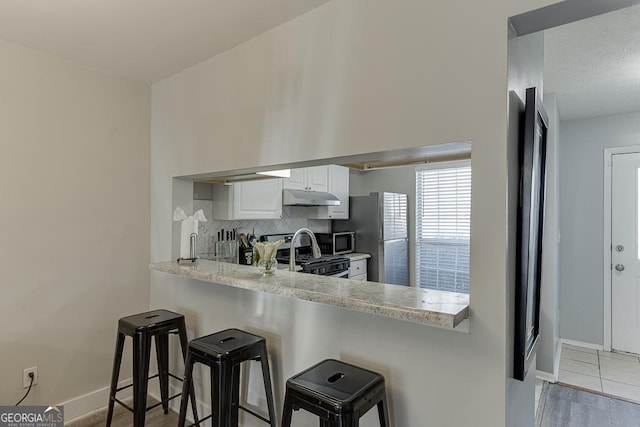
625,253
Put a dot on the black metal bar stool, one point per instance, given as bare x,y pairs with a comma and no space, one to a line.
337,392
142,327
223,352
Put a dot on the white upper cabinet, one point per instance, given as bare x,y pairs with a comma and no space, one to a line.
248,200
311,179
297,180
337,184
317,178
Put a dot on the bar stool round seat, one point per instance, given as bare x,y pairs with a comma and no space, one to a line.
337,392
142,327
224,352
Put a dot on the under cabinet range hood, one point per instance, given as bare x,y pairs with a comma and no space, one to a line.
308,198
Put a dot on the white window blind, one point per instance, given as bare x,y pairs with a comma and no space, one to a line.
443,213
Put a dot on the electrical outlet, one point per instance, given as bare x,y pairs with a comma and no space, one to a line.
26,380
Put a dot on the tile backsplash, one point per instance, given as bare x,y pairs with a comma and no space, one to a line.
293,218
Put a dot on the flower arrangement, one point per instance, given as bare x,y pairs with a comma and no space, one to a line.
264,256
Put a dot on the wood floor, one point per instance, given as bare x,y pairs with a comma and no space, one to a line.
124,418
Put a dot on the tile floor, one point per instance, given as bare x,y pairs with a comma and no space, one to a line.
616,374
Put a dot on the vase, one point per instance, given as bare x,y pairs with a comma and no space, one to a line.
267,267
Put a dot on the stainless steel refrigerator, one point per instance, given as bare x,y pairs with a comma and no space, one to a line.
380,223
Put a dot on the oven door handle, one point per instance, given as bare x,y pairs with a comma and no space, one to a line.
341,274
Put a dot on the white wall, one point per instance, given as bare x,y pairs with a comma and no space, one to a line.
74,185
350,77
582,222
525,69
550,279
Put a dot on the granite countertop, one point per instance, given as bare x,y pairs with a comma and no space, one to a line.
437,308
355,256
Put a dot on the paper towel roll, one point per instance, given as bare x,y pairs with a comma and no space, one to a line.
187,227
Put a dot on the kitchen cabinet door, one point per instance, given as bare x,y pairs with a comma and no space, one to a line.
297,180
317,177
248,200
258,199
358,270
309,179
337,184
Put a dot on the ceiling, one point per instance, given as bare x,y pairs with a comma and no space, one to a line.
593,65
146,40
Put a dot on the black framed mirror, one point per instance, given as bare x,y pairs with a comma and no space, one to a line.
532,158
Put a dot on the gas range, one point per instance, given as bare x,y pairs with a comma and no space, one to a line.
326,265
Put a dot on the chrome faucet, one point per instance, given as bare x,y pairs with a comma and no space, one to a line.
292,250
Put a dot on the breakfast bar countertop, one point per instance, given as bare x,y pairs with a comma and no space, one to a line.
431,307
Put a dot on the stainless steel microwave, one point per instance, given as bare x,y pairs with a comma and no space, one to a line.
336,243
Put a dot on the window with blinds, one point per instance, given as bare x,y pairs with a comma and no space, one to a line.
443,213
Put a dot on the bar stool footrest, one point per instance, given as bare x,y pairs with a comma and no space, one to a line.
201,420
124,405
150,378
155,405
255,414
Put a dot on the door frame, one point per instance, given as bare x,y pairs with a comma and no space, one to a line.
608,244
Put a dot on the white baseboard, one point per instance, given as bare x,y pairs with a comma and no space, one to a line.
203,408
97,401
81,406
581,344
545,376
